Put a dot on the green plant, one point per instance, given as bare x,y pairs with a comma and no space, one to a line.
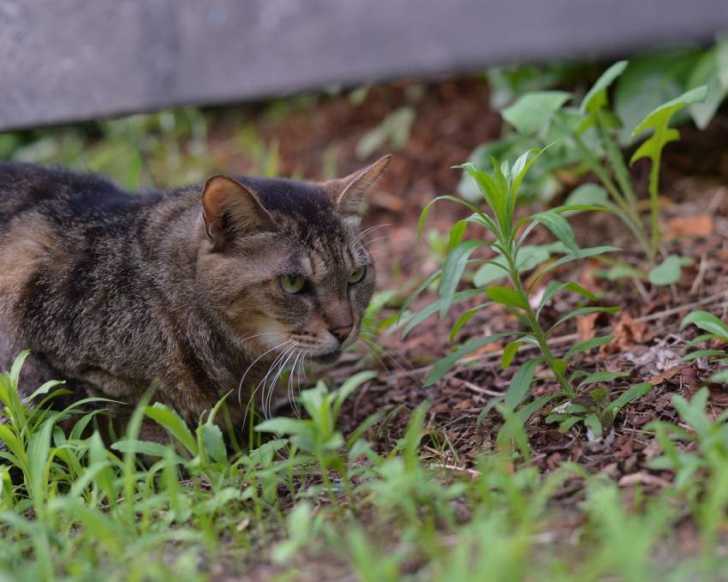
716,332
588,138
500,190
592,131
594,409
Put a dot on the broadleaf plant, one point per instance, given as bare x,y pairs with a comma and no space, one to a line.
587,137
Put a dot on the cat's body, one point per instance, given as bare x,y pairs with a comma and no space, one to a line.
182,290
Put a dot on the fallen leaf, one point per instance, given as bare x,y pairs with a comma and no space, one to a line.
699,225
627,333
668,374
642,478
586,326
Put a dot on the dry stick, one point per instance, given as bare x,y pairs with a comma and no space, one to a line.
566,339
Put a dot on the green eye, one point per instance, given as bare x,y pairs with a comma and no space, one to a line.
292,283
357,275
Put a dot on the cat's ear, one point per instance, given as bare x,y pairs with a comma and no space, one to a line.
348,193
230,208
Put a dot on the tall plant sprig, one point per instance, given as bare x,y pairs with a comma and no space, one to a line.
500,189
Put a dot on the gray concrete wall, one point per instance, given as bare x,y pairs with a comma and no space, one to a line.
63,60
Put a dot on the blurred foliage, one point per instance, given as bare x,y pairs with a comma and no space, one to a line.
650,80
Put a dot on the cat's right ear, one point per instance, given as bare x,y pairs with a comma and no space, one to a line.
230,209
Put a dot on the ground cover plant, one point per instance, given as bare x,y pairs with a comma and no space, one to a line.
519,416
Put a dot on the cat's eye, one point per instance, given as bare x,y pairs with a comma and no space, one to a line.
357,275
292,283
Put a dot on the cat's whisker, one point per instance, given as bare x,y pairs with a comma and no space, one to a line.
251,400
245,374
274,380
370,230
375,239
263,383
291,381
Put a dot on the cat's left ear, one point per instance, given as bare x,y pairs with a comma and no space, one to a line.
348,194
230,208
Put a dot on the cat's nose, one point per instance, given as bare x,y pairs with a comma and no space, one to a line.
342,332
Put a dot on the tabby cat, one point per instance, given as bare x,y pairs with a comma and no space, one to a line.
199,292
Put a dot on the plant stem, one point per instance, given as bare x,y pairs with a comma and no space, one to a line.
629,213
655,206
616,160
536,329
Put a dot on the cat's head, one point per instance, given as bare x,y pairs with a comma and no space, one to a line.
284,263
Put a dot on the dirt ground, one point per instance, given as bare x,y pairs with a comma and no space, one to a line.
451,118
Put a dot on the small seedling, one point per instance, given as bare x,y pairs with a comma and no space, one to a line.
594,409
716,332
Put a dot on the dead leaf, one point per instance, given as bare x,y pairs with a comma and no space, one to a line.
699,225
642,478
627,333
666,375
586,326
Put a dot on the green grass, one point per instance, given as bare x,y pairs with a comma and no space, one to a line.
71,508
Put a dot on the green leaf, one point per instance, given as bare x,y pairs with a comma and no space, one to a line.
585,311
452,272
588,194
707,322
693,412
587,345
632,393
17,367
434,307
533,112
531,256
658,121
521,383
426,210
506,296
283,426
598,377
464,318
648,82
559,227
490,272
593,423
214,443
443,365
596,98
555,287
720,377
711,71
457,232
142,447
669,271
509,352
45,388
519,170
173,423
348,387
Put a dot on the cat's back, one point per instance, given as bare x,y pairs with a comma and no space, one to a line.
62,197
46,215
